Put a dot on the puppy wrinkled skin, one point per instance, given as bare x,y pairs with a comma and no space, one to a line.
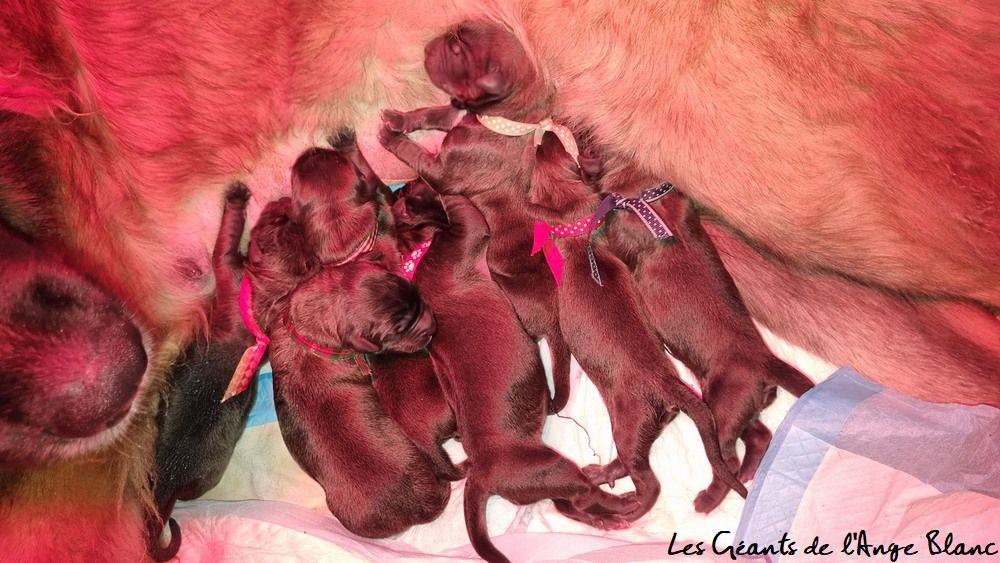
492,374
196,432
605,328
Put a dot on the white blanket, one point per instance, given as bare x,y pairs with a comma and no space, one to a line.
267,509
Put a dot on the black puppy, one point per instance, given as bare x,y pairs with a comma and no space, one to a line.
196,431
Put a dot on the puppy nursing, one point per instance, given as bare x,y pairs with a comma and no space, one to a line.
486,70
322,319
492,374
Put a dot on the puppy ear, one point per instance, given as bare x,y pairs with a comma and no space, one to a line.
361,344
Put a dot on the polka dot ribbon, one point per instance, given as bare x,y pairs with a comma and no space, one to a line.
409,267
638,205
252,356
512,128
328,353
544,241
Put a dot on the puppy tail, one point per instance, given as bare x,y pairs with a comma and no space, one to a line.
475,522
705,423
789,378
158,552
559,351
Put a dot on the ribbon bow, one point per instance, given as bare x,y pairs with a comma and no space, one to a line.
544,241
252,356
513,128
409,267
328,353
638,205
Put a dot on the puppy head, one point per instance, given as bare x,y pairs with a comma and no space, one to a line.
72,360
418,206
361,307
477,64
334,203
278,245
322,175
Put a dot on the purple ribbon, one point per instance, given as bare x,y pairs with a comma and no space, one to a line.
638,205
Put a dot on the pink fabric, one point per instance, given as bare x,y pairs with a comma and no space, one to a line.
254,354
409,267
544,240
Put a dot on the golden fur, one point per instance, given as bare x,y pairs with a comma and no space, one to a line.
855,142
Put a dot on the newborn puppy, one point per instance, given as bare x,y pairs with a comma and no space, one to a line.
377,482
486,70
408,389
196,433
71,358
338,200
492,374
697,313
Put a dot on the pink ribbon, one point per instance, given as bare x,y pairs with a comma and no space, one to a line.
544,241
409,267
252,356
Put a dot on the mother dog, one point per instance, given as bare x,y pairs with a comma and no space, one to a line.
848,152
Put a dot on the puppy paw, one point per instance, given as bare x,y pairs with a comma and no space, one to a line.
238,193
708,500
389,138
344,140
394,120
610,523
598,475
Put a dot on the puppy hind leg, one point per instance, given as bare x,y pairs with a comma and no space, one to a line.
787,377
704,421
606,474
757,438
227,262
544,473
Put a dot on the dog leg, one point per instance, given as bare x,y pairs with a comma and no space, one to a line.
544,473
439,118
756,438
425,164
227,262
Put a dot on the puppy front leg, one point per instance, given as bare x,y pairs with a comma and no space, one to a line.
227,262
425,164
439,118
